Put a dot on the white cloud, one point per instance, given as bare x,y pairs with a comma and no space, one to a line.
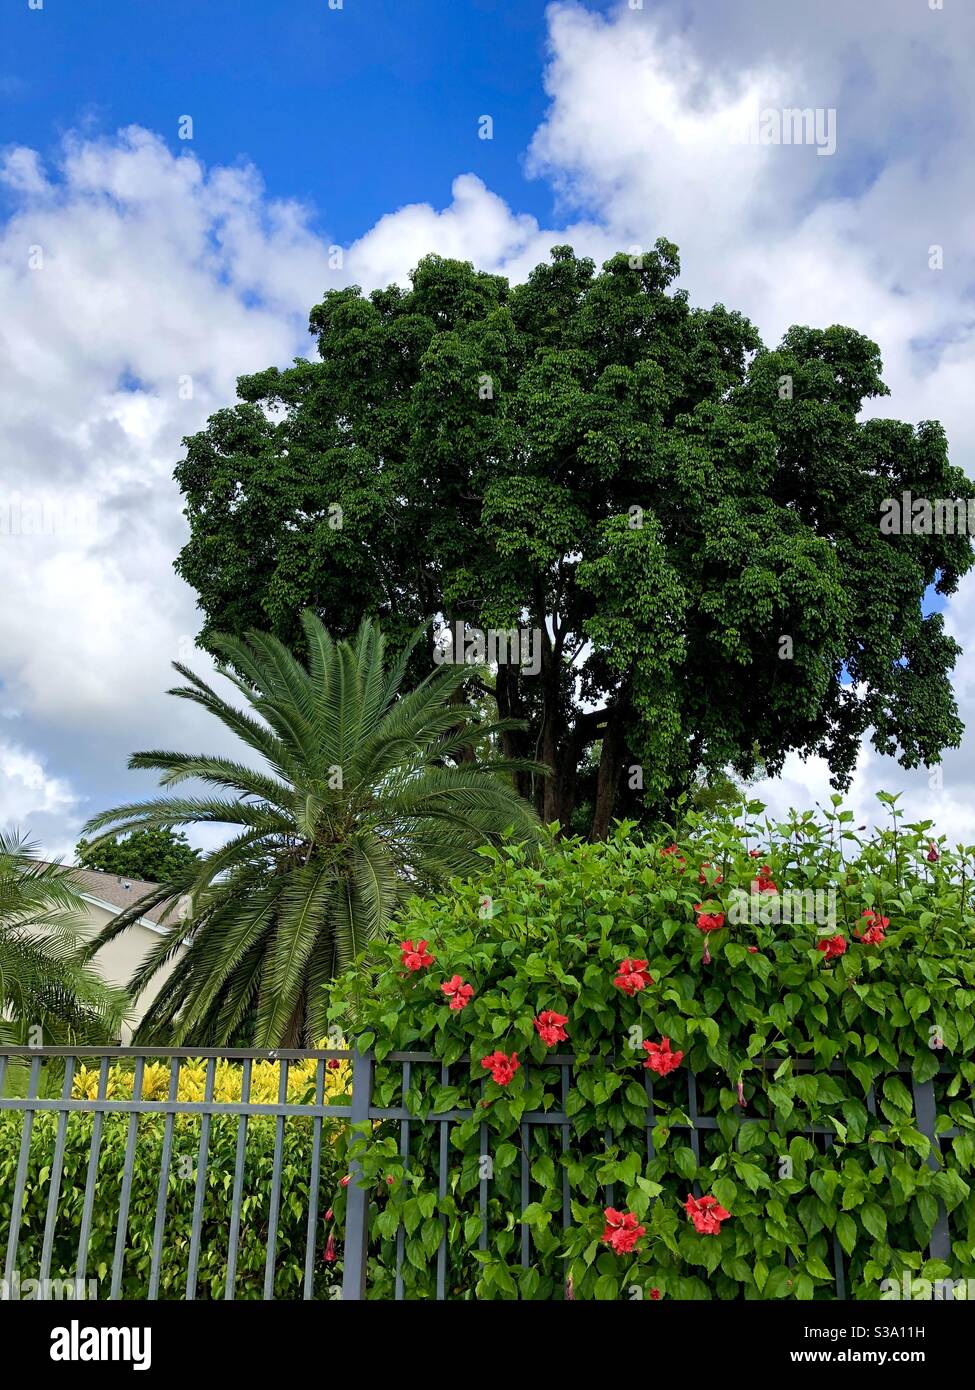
28,793
477,226
151,272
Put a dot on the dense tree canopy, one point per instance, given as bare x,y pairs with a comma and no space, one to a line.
690,518
154,855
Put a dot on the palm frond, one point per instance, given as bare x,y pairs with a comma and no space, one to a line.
362,797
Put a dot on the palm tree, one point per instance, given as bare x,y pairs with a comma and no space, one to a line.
365,795
47,991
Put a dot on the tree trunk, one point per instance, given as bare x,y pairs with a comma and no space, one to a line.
509,707
549,742
608,777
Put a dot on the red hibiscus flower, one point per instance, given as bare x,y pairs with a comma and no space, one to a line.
933,855
415,957
632,976
501,1067
764,883
753,950
706,1214
832,946
550,1027
622,1230
661,1059
331,1255
876,927
328,1214
344,1182
677,856
708,921
703,878
459,994
754,854
874,918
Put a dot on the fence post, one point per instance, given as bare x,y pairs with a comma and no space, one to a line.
926,1111
357,1208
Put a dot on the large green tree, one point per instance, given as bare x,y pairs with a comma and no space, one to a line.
689,518
153,855
350,795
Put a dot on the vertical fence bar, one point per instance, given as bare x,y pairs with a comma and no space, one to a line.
203,1155
610,1188
483,1144
118,1258
648,1086
404,1149
275,1211
238,1192
566,1133
162,1192
692,1115
357,1208
89,1199
20,1182
926,1111
54,1194
838,1264
525,1196
441,1193
313,1178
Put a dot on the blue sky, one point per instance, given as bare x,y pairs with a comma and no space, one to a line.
167,260
354,110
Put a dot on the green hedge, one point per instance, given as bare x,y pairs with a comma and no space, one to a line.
289,1270
745,1003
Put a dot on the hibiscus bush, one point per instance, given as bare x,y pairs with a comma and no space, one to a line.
806,973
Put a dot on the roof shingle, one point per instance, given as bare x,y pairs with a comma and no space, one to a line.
119,891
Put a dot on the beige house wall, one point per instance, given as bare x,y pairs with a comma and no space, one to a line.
118,961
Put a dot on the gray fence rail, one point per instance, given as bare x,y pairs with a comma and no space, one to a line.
360,1110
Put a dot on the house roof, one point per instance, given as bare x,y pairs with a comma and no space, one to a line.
113,890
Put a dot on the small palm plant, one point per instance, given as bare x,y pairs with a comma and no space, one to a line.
48,994
365,795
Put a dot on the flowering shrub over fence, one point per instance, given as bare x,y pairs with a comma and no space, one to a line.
807,992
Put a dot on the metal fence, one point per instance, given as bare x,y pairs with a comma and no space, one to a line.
37,1065
43,1063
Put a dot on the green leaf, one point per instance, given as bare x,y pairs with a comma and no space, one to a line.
536,1215
543,1171
846,1231
898,1094
873,1218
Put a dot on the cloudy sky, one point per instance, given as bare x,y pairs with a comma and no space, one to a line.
141,272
